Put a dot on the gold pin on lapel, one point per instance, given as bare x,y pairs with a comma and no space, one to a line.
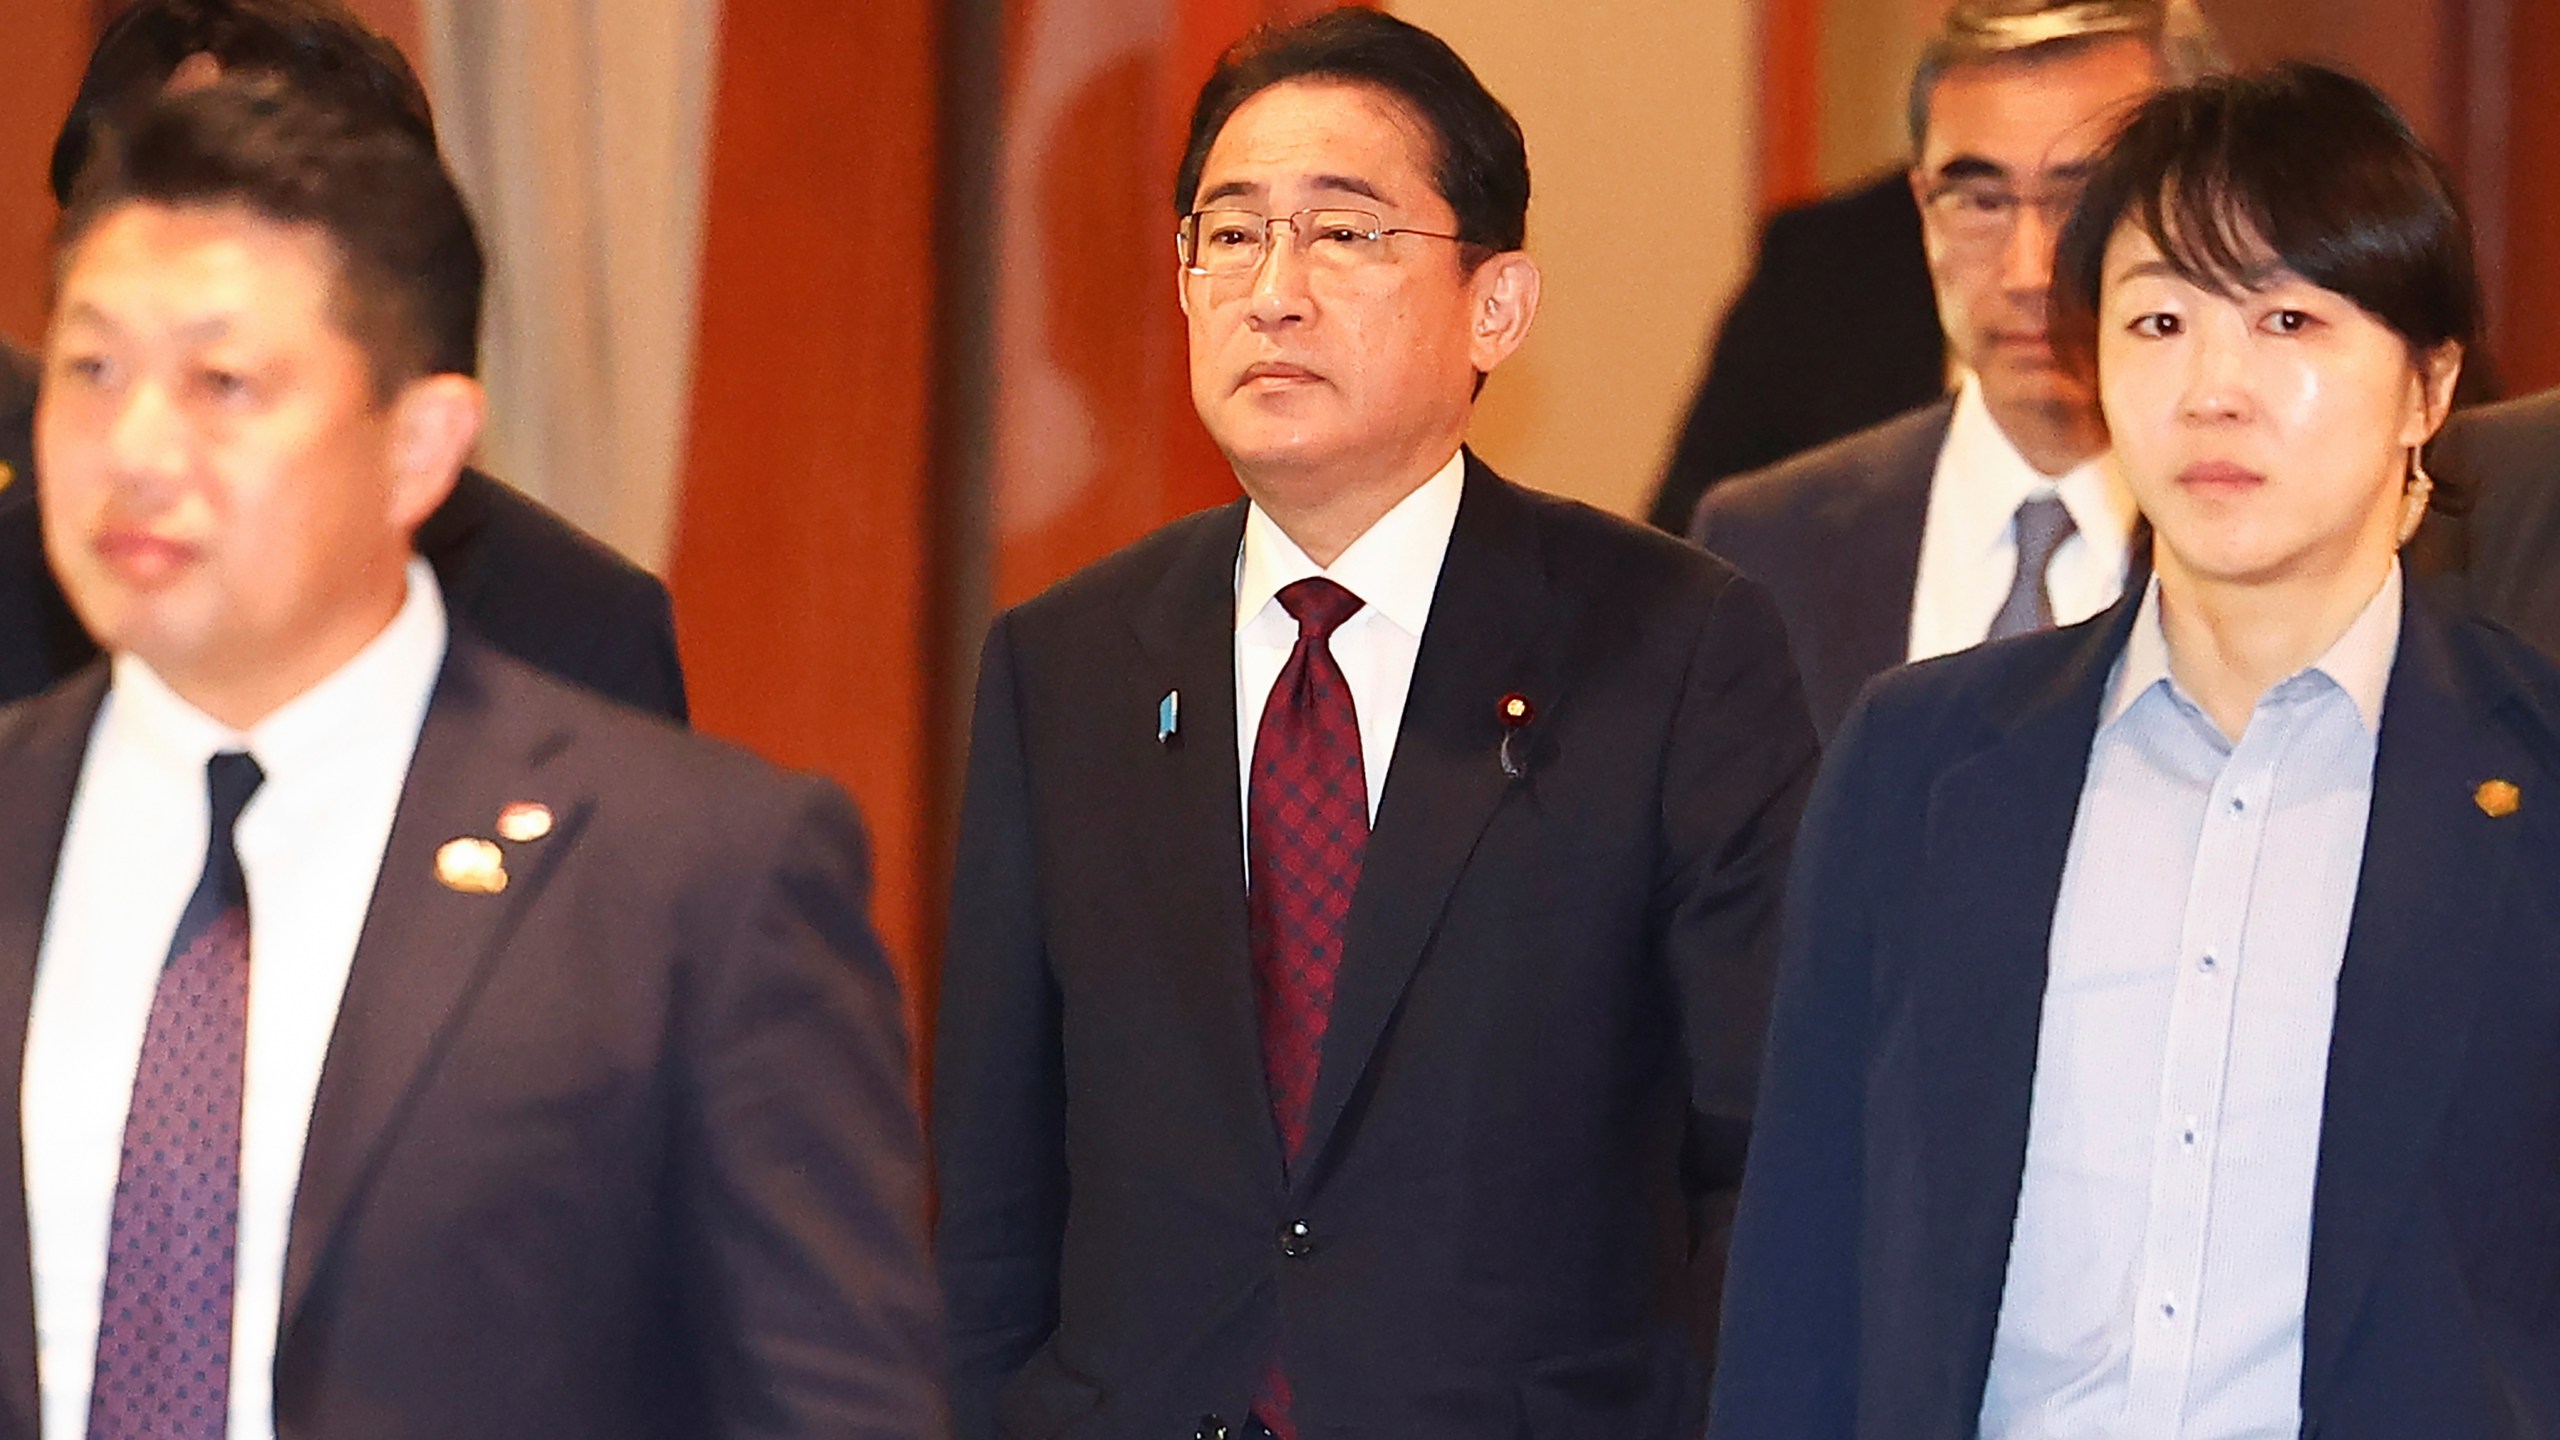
472,866
524,822
2498,799
8,472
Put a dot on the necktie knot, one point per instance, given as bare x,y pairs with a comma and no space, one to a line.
1319,606
230,779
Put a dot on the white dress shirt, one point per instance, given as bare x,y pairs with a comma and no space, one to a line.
1395,567
2163,1236
1969,543
310,844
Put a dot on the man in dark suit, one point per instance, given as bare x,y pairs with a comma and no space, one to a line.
1356,963
1780,379
2502,555
2164,1041
473,1055
1996,511
515,574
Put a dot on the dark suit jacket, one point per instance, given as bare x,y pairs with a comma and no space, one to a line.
1835,536
514,574
1538,1072
1873,1240
628,1150
1834,330
2506,551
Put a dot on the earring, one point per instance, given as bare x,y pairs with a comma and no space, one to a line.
2414,497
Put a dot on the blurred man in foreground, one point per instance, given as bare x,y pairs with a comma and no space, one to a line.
409,1044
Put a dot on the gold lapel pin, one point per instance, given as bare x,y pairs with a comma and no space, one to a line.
524,822
2498,799
8,472
472,866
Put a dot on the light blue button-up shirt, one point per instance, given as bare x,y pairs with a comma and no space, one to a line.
2163,1239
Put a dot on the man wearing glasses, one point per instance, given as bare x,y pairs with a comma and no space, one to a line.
1360,939
1995,512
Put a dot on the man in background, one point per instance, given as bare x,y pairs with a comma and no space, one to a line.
516,574
1996,512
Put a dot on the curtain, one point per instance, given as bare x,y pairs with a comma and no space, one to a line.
581,131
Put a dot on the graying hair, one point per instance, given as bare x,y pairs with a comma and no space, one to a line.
1977,32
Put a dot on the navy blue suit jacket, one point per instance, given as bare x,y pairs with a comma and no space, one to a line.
1536,1079
1873,1237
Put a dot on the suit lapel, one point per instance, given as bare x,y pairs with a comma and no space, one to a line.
2425,931
1444,781
42,746
1878,567
1882,605
1997,837
1194,845
425,948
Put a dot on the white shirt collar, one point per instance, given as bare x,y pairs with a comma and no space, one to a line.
1394,567
2358,662
1987,480
382,685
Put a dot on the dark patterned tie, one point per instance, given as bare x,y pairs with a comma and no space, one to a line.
164,1317
1309,824
2042,525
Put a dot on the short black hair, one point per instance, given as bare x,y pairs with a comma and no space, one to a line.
411,269
1481,161
2297,163
316,47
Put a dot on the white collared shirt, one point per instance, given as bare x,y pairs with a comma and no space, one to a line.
310,845
1395,568
1969,543
2162,1246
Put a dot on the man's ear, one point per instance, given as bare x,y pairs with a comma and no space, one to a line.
434,423
1503,294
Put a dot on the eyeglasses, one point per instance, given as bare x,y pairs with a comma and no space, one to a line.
1981,213
1233,242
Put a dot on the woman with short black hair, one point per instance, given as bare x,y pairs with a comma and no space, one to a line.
2168,1041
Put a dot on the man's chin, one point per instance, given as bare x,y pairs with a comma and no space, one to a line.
2020,382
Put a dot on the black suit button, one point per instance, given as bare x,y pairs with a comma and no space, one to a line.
1297,1240
1211,1428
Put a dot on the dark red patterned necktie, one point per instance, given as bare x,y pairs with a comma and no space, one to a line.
1308,823
164,1317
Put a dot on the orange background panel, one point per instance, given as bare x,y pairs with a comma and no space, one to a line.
47,47
805,553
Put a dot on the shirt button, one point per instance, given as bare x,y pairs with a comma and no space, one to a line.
2187,1136
2239,805
2169,1309
1297,1240
2208,962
